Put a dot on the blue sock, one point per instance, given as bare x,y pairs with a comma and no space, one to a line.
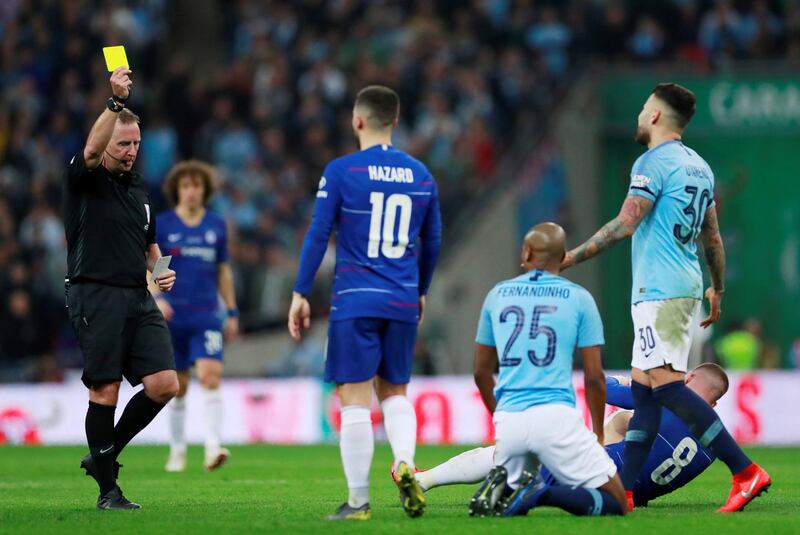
703,422
580,501
642,431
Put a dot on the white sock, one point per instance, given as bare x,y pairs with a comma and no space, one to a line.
357,446
469,467
400,422
212,399
177,416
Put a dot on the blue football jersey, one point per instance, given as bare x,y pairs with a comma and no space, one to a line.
196,253
536,321
664,253
676,458
384,205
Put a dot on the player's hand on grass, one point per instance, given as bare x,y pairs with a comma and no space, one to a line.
166,280
231,329
121,82
299,316
421,309
166,309
714,299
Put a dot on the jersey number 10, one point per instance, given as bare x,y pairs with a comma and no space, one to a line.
382,240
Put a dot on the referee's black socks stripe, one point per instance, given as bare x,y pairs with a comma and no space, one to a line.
138,413
100,436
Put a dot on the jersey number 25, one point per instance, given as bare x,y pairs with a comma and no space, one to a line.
382,240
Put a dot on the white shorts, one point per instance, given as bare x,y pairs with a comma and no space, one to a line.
662,333
555,436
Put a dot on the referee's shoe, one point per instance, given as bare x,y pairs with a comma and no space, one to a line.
114,499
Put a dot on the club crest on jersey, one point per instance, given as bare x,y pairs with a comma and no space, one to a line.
211,237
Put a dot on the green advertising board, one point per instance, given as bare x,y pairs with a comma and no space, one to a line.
748,129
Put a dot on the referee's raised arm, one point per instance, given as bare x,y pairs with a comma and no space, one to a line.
103,127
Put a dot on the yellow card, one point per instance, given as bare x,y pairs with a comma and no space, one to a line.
115,57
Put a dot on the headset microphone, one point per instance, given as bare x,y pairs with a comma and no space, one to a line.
113,158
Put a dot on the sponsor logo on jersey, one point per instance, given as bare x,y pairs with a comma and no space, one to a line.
640,181
208,254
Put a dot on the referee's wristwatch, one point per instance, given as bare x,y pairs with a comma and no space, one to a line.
113,105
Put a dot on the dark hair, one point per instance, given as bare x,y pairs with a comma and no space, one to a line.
719,376
382,104
192,168
680,99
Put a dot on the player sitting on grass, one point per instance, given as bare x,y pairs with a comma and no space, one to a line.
676,459
537,320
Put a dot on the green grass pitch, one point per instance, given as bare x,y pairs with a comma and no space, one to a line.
282,489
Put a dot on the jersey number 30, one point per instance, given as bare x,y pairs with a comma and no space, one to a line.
381,238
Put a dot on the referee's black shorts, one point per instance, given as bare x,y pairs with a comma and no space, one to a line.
121,333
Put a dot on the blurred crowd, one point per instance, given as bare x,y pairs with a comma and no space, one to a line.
272,105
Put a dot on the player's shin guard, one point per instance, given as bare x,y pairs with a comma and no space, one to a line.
469,467
100,436
642,430
138,413
581,502
400,422
177,419
704,423
357,446
212,399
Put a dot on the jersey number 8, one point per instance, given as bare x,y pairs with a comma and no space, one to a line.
681,457
384,241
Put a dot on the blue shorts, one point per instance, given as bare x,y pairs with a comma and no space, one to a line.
362,348
192,342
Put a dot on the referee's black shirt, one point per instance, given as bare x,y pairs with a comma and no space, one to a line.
109,225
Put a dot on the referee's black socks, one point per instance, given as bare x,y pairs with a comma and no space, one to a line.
100,435
138,413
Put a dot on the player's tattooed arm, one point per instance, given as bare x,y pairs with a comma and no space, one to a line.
633,211
715,257
714,249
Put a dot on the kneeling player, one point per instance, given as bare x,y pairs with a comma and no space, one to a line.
534,403
677,457
197,241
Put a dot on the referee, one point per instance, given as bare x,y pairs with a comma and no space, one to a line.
111,245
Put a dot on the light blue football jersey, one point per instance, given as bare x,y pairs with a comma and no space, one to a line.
536,321
664,253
